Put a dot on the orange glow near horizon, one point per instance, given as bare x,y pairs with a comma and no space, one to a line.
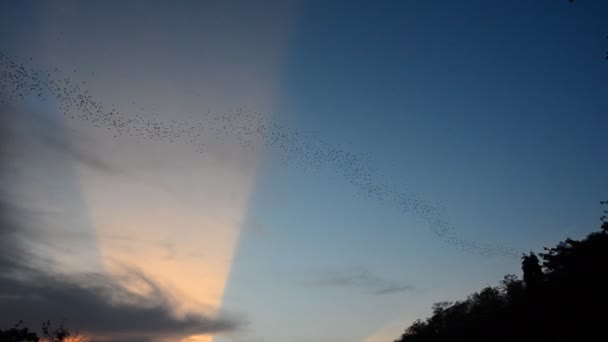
182,235
198,338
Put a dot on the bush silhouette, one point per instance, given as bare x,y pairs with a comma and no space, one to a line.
19,333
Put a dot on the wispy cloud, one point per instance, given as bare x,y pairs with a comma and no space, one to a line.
46,131
395,289
359,278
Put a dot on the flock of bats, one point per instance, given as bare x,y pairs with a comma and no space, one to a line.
249,128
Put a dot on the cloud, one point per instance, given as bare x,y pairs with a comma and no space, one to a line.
130,307
92,303
358,278
98,305
49,132
395,289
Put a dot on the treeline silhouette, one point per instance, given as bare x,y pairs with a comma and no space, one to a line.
20,333
563,296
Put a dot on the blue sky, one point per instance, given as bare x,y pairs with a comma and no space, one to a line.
492,113
494,110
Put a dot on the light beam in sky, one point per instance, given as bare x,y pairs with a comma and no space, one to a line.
164,209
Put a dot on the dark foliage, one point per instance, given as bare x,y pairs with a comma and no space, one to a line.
19,333
563,297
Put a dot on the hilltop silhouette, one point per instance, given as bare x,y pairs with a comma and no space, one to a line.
562,297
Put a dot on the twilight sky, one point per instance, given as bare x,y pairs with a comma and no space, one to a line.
288,171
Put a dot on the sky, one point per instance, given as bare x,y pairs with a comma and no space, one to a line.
288,170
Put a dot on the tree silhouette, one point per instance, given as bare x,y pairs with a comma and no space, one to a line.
562,298
19,333
532,271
